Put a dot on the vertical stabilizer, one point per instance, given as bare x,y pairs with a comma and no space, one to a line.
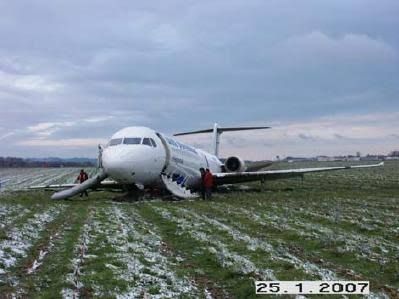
217,131
216,139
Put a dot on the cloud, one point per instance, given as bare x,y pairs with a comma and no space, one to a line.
317,48
173,66
31,83
6,135
96,119
341,134
305,136
48,128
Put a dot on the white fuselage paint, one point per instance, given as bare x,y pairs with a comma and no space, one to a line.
143,164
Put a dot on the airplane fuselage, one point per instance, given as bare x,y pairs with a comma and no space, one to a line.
139,155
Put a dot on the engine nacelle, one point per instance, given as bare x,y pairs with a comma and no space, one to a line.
235,164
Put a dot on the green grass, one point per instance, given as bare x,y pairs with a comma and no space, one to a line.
294,217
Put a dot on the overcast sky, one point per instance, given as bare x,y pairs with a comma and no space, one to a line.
324,74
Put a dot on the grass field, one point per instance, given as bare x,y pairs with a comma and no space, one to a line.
341,225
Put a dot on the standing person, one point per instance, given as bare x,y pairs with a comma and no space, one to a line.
202,171
208,183
81,178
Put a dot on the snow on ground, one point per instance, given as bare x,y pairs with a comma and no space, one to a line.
138,247
139,237
360,245
20,239
74,278
226,257
9,213
22,178
253,244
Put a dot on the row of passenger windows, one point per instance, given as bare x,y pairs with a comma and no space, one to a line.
135,140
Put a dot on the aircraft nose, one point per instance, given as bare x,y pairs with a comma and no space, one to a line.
132,164
116,165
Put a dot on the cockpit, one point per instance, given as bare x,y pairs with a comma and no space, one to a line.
132,141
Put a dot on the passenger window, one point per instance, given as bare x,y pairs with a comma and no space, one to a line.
115,141
147,141
153,142
132,141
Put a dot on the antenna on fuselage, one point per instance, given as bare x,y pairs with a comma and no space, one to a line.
217,131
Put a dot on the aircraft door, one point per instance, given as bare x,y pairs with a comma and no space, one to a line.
167,152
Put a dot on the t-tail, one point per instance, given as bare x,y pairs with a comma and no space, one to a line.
217,131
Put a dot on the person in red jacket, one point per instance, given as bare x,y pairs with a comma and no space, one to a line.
208,184
81,178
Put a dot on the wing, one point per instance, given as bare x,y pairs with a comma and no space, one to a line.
89,184
52,187
97,182
108,184
239,177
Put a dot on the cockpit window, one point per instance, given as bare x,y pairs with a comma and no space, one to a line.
136,140
153,142
115,141
147,141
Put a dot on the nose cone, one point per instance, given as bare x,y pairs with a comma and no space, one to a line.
131,164
118,165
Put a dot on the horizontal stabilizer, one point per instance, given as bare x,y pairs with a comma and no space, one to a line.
90,183
217,131
221,130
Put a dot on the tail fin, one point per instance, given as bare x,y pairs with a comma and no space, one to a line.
217,131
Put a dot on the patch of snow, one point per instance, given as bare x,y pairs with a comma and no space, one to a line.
207,294
20,239
255,243
225,257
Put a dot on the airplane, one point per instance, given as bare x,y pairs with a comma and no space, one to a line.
140,157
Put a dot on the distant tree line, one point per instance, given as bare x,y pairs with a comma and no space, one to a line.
14,162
